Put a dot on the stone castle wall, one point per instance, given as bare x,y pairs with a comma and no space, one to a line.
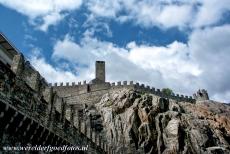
91,93
49,113
30,75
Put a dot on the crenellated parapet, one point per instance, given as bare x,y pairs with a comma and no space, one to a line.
25,71
148,89
73,89
68,84
201,95
122,84
68,90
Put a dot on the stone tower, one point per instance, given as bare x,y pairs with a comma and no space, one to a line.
201,95
100,70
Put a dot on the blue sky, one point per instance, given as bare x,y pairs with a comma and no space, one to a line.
183,45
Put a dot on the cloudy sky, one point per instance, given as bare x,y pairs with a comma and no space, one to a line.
180,44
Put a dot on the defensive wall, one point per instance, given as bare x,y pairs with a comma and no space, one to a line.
30,75
41,118
86,93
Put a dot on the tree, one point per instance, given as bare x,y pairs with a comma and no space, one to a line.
167,91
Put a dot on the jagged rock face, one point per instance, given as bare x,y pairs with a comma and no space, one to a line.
135,122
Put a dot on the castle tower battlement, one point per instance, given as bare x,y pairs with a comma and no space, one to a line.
201,95
100,70
99,73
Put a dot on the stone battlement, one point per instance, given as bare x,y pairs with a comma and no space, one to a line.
67,84
84,87
28,73
149,89
201,95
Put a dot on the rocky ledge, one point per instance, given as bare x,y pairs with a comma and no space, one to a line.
136,122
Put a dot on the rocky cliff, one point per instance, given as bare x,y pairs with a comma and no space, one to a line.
136,122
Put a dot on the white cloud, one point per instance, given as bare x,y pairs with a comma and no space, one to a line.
50,11
145,13
72,50
211,12
51,19
210,48
162,13
175,16
50,73
169,59
222,97
104,8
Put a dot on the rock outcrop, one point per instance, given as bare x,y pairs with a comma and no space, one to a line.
136,122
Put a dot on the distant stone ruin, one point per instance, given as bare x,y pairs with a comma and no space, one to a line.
201,95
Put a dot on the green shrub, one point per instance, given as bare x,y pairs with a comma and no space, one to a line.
167,91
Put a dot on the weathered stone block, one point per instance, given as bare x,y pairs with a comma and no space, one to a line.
119,83
131,83
18,64
100,70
